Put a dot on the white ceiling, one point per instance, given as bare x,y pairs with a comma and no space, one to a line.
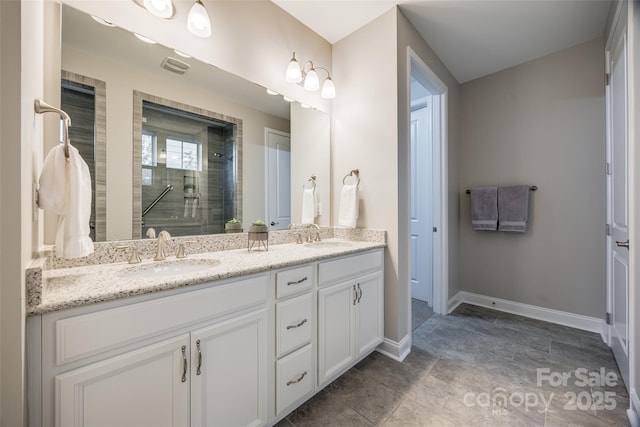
473,38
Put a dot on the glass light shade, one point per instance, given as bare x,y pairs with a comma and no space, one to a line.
328,89
184,55
160,8
311,81
272,92
286,98
198,20
294,74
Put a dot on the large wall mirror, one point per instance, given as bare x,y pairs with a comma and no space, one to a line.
177,144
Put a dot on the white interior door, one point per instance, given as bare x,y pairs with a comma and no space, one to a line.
618,205
421,210
278,179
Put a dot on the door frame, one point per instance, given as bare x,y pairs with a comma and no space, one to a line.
417,68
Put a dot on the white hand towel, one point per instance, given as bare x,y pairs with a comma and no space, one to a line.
348,215
186,208
308,206
65,189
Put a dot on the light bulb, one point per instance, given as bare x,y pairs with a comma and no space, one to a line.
328,89
160,8
294,74
311,81
198,20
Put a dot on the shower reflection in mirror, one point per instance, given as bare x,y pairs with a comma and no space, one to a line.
188,170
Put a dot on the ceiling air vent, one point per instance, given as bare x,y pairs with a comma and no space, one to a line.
174,65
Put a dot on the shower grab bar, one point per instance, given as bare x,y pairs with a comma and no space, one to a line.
531,188
155,202
42,107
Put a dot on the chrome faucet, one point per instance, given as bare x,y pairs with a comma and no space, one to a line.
163,237
301,228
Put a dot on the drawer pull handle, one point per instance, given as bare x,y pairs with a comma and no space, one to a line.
355,295
198,371
297,380
184,363
297,282
360,292
297,326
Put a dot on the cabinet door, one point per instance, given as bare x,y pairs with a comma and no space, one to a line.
229,373
145,387
335,329
369,312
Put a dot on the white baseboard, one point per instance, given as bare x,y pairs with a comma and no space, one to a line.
454,302
634,412
396,350
578,321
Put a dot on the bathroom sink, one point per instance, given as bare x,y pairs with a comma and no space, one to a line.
328,244
168,268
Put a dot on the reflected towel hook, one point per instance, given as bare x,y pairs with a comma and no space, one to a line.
312,180
353,172
42,107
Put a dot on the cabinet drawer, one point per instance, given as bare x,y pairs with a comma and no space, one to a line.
294,323
296,280
333,271
86,335
294,377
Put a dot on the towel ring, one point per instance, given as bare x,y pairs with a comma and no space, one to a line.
312,180
353,172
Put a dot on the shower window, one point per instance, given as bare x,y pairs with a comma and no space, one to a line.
149,149
184,155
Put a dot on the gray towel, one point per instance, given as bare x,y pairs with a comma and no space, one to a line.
513,208
484,208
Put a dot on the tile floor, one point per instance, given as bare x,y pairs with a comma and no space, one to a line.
476,367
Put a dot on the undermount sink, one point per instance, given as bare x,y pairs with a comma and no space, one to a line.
328,244
169,268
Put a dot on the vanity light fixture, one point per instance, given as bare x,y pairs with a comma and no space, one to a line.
305,106
144,39
272,92
286,98
160,8
310,79
198,21
102,21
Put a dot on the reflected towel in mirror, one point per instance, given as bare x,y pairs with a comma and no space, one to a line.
308,206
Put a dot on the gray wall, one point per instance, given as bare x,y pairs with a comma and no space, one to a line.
542,123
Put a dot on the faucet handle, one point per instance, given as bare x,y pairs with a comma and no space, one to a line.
181,252
318,239
151,233
164,235
135,257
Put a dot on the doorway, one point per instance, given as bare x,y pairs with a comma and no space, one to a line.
428,195
618,195
278,179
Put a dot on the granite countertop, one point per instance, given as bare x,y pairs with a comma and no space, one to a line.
79,286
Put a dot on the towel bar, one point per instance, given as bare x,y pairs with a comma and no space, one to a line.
42,107
531,188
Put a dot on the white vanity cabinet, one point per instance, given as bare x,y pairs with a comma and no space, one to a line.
231,353
350,311
196,358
